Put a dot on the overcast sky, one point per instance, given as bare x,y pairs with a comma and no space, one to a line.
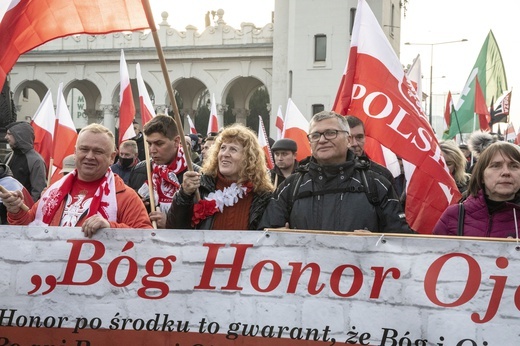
426,21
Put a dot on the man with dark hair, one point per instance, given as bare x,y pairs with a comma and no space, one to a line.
26,164
335,190
139,140
357,134
284,151
168,165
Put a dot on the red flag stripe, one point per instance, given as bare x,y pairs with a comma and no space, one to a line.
31,23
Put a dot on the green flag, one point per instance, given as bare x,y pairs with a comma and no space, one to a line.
492,78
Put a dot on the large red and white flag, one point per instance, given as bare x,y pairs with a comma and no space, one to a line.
264,143
279,123
28,24
147,111
43,123
126,103
213,118
296,127
376,90
193,130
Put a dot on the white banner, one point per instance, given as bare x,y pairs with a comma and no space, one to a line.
178,287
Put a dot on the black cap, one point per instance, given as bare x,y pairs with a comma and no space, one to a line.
284,144
463,146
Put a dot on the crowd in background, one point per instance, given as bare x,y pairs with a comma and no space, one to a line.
226,184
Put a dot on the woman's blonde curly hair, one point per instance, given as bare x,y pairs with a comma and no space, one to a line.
252,168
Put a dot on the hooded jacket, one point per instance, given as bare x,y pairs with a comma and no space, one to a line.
478,221
26,164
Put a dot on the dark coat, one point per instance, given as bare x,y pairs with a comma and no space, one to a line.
181,211
27,165
333,198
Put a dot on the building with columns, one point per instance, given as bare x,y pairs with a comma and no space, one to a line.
301,55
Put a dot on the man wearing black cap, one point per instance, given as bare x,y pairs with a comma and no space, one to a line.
284,151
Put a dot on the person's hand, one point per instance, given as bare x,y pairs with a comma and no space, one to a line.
190,182
93,224
159,217
12,200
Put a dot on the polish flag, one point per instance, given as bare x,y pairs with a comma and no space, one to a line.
376,90
213,119
510,134
264,143
279,123
43,123
28,24
65,135
193,130
126,103
147,111
448,109
295,128
415,76
481,109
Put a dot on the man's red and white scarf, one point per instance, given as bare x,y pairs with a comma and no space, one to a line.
103,202
164,178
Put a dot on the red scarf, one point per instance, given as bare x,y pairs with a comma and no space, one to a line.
164,177
103,201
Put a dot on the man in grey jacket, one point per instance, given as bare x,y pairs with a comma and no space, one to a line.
335,190
26,164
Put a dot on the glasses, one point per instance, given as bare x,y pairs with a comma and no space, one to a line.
328,134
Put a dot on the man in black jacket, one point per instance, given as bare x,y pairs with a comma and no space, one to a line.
335,190
284,152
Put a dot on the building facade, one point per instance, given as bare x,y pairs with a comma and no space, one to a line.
301,55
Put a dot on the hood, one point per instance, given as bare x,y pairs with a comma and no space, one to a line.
5,171
23,134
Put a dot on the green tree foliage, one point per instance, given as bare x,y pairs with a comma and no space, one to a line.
258,106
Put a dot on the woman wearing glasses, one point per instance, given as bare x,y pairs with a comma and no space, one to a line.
335,190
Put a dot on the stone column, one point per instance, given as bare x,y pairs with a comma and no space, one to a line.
109,117
241,115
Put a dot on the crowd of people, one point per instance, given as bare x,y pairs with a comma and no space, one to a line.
227,186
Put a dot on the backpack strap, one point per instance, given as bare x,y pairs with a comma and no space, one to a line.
372,195
460,226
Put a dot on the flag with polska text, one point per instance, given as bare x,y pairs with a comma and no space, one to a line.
375,89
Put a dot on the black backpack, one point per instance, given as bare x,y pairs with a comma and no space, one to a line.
369,187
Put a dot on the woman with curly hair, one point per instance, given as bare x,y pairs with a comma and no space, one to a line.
456,162
234,188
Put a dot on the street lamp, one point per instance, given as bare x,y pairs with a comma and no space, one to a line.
431,67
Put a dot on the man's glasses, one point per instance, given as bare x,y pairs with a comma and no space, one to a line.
328,134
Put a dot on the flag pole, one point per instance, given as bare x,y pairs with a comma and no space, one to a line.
164,68
457,120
